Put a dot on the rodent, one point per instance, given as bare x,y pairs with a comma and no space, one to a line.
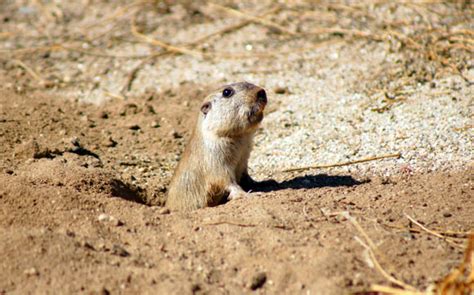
214,163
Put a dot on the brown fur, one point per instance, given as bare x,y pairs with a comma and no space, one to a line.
216,157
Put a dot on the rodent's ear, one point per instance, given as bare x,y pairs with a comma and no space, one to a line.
206,107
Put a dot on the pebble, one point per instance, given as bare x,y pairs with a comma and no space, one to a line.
119,251
175,134
164,211
31,271
258,281
107,218
281,90
155,124
109,142
103,217
134,127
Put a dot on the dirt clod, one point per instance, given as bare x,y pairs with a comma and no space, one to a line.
120,251
258,281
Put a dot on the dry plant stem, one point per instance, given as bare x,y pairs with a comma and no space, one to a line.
258,20
58,47
453,234
232,28
458,281
117,13
29,70
397,155
88,52
355,33
372,249
133,73
243,224
394,291
166,46
113,95
448,240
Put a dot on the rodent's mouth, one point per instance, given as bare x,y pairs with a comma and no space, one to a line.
255,114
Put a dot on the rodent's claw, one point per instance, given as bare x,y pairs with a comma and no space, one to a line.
236,192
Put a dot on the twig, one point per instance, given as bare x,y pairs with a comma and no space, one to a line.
244,224
453,234
372,249
168,47
92,53
32,73
133,73
459,281
231,223
446,62
397,155
352,32
113,95
258,20
405,39
58,47
394,291
117,13
448,240
29,70
232,28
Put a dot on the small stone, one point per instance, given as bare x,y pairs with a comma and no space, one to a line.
119,251
195,288
87,245
70,233
175,134
447,214
31,271
155,124
134,127
116,222
258,281
109,142
164,211
103,115
103,217
75,141
281,90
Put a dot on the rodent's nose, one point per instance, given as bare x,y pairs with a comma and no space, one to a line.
262,96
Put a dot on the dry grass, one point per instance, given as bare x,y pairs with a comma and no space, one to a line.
458,282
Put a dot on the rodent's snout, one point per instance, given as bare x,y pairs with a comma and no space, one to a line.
262,97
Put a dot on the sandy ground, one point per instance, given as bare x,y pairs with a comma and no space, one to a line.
94,117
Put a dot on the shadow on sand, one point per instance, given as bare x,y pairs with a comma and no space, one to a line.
304,182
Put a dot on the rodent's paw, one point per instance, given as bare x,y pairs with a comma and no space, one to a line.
237,195
236,192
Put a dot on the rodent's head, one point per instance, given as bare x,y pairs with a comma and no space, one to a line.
233,110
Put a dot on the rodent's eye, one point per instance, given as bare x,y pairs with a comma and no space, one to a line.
228,92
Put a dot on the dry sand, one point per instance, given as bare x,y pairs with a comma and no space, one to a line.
92,126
